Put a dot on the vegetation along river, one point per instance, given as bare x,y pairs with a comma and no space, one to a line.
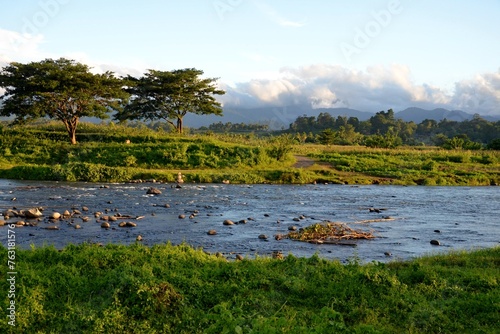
404,219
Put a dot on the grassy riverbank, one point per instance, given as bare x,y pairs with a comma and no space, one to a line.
103,155
177,289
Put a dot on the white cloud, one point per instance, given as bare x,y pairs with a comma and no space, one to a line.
15,46
376,88
24,48
480,94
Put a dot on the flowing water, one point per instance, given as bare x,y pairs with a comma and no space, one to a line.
458,217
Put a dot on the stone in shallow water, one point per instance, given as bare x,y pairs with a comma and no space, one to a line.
153,191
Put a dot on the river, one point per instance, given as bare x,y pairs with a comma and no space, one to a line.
458,217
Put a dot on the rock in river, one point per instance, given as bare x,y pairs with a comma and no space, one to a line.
33,213
153,191
435,242
228,222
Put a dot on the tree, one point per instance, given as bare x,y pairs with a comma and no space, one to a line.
281,146
327,137
59,89
170,95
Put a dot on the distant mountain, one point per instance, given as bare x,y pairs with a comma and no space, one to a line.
275,117
282,117
417,115
278,117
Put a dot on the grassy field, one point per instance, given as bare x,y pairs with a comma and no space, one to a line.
42,152
178,289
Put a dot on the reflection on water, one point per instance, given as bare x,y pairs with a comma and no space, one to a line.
459,217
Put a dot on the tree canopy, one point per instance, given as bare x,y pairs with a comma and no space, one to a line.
170,95
59,89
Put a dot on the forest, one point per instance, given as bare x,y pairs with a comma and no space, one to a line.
385,131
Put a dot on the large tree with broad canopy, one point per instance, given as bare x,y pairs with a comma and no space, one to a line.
59,89
170,95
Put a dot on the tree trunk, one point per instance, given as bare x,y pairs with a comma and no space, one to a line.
72,136
71,129
179,125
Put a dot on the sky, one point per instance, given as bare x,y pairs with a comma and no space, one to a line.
366,55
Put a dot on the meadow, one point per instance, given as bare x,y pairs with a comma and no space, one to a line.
178,289
119,153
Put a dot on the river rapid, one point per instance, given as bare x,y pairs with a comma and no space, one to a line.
458,217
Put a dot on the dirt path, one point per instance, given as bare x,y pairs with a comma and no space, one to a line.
303,162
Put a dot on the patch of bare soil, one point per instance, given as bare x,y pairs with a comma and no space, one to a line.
303,162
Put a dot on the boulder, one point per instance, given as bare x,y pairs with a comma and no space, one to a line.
55,215
228,222
212,232
153,191
139,238
105,225
52,227
9,213
66,214
130,224
33,213
263,237
182,216
435,242
239,257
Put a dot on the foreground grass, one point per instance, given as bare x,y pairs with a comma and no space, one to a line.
177,289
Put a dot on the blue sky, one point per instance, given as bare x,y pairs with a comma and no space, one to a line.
368,55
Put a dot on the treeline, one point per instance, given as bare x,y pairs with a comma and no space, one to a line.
385,130
235,127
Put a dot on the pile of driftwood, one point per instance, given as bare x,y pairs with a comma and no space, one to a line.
326,233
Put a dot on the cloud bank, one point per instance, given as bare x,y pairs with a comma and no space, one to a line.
374,89
319,86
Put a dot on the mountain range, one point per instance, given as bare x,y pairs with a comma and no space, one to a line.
282,117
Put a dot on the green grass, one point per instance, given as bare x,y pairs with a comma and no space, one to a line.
412,166
42,152
178,289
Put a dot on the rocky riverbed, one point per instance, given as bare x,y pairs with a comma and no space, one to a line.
241,220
